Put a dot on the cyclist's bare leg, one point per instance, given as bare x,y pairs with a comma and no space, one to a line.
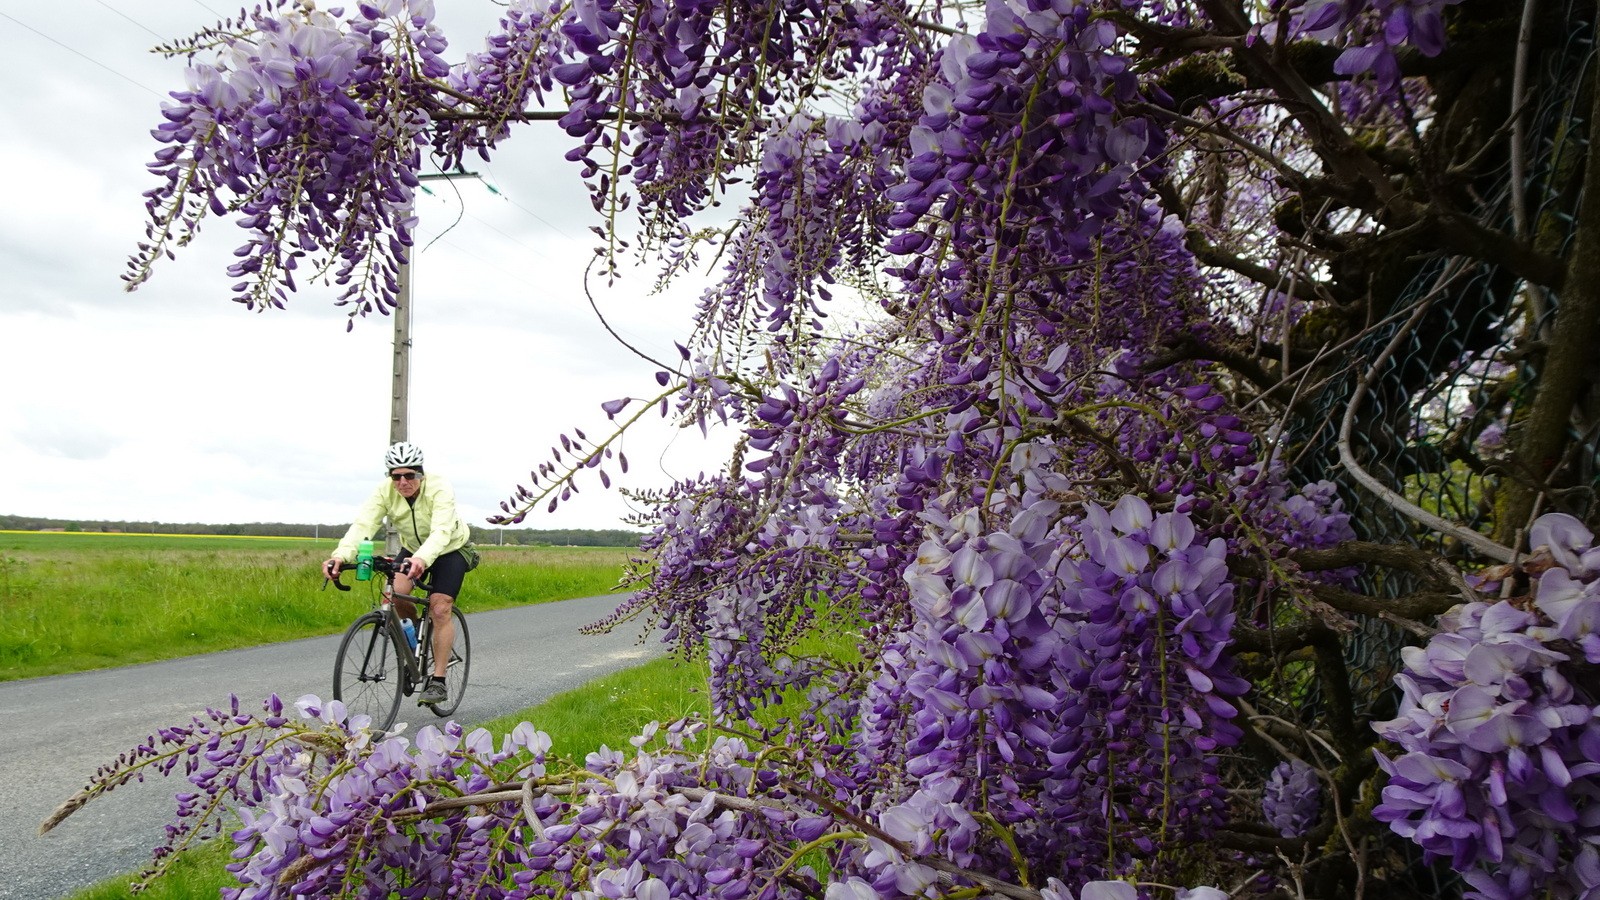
444,631
403,585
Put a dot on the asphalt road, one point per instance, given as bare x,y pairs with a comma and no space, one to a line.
55,732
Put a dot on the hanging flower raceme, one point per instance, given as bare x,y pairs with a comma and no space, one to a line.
1072,672
306,126
1292,798
494,86
1498,733
1372,32
1021,157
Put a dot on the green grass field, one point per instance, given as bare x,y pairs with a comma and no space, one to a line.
77,601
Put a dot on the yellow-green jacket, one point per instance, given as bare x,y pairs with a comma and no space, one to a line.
429,526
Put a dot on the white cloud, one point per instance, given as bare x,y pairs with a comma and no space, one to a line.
50,436
173,404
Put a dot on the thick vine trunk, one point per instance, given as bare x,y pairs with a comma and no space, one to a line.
1564,376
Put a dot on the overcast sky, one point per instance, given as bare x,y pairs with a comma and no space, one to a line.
175,404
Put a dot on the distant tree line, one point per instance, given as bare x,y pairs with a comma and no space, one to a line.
562,537
567,537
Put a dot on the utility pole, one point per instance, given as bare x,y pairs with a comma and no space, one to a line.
401,377
400,374
400,381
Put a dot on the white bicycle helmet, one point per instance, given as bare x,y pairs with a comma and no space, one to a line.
403,454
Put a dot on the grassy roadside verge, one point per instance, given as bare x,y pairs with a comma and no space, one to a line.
74,602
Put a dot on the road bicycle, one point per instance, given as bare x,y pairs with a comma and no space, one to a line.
377,667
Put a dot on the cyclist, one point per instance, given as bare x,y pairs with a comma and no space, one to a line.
422,508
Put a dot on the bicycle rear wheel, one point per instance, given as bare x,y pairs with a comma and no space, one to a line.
366,674
455,677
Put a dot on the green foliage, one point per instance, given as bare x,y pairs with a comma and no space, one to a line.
195,875
88,601
610,710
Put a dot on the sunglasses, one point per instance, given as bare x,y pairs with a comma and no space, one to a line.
404,476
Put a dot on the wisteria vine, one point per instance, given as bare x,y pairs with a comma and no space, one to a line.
1054,485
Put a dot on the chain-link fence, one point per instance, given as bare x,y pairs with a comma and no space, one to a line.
1434,424
1441,383
1436,418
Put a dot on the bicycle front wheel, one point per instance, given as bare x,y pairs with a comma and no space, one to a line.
455,673
366,674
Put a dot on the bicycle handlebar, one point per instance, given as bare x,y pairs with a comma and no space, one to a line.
384,564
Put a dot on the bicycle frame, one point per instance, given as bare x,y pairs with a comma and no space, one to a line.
410,657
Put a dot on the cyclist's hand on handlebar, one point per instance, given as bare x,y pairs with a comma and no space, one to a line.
330,569
415,567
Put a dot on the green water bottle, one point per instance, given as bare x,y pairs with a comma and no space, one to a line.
364,562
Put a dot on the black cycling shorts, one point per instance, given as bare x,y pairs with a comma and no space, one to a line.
446,573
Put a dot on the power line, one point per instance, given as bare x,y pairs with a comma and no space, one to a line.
208,9
159,36
462,210
85,56
541,219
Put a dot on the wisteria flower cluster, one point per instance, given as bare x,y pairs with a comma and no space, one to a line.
306,126
328,811
692,73
323,809
1075,675
1292,799
1499,733
1020,159
1373,33
224,754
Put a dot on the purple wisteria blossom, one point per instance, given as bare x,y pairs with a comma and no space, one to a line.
1292,798
1498,735
1371,31
303,125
